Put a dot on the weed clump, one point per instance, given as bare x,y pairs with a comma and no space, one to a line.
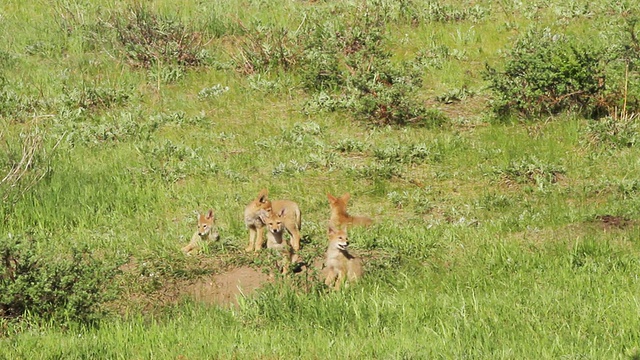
148,39
618,130
532,171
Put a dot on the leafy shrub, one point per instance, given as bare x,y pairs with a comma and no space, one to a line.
72,287
149,38
548,73
345,66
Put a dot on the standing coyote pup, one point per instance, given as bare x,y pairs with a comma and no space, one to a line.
261,209
276,224
339,264
205,224
284,215
256,208
339,216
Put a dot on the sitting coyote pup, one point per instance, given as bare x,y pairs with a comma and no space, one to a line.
339,216
262,208
205,224
339,264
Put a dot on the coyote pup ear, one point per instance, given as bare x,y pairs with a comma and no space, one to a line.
331,197
210,214
281,213
262,196
331,230
346,196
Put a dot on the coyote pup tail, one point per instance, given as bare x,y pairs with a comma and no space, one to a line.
361,221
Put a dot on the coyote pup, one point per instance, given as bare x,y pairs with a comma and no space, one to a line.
339,264
284,215
204,232
276,224
262,208
256,208
339,217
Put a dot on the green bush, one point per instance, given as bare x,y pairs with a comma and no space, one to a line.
69,287
548,73
345,66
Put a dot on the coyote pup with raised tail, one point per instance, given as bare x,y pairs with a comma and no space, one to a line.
340,218
340,265
203,234
262,208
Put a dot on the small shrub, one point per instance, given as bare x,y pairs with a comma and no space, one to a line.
15,105
455,95
405,154
549,73
350,145
71,287
148,39
377,170
165,73
289,169
110,128
384,94
94,97
173,162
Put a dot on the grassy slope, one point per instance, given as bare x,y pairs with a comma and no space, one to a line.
467,264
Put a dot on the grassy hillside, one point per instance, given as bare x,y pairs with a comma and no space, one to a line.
505,216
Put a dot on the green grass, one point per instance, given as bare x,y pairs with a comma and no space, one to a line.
488,242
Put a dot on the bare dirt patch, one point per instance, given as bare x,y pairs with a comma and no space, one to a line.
223,289
609,222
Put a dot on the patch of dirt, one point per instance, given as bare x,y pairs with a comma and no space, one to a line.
608,222
222,289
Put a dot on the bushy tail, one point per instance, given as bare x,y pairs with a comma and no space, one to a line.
360,220
298,218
